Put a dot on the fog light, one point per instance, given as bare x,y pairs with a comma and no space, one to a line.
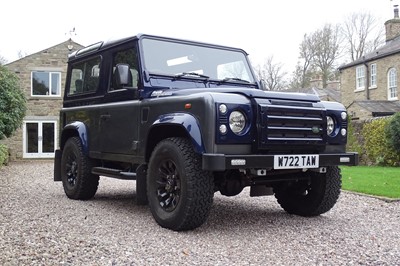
238,162
222,129
343,131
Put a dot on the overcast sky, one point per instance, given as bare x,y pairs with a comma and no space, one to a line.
261,28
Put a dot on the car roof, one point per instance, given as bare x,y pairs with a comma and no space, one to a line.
102,45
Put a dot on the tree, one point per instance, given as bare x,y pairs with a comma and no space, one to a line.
326,43
303,71
272,74
362,33
12,103
318,53
3,60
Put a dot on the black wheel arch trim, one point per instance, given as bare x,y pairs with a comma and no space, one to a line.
78,129
188,123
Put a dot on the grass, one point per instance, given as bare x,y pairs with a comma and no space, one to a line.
372,180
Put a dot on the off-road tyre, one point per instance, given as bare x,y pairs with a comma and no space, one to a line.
311,197
179,192
78,181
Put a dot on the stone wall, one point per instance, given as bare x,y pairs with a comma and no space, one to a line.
380,92
39,107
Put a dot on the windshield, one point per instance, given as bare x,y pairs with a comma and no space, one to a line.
190,60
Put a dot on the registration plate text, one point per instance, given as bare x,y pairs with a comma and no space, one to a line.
296,161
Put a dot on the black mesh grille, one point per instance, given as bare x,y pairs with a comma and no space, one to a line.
285,126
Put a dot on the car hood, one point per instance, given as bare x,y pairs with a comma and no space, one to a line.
248,92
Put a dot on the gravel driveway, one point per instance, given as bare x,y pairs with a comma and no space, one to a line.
40,226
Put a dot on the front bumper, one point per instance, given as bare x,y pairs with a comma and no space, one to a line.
222,162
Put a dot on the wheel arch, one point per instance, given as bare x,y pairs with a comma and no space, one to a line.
75,129
174,125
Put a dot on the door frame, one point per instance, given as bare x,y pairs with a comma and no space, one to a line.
40,153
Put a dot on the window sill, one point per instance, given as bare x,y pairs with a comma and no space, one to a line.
45,98
358,90
373,87
393,99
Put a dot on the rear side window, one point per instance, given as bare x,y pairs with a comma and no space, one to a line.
85,77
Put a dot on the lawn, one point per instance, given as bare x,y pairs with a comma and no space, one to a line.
373,180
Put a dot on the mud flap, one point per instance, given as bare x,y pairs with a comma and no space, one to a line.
141,190
57,165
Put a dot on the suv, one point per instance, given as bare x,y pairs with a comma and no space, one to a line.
187,119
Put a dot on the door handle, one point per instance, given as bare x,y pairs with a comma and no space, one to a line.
105,116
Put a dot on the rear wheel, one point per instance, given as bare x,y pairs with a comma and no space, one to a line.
180,193
77,179
313,196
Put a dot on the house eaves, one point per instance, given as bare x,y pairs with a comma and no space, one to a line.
390,48
380,107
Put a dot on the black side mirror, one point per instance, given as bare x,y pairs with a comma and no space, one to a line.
263,84
123,76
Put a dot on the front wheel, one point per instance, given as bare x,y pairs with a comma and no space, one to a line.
180,193
78,181
313,196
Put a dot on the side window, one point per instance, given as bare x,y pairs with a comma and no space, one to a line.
129,57
360,78
392,84
372,82
45,83
85,76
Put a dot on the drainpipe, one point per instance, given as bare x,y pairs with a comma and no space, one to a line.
367,79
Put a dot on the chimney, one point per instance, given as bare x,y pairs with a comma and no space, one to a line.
392,26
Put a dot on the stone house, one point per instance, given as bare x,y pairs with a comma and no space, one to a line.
42,77
369,85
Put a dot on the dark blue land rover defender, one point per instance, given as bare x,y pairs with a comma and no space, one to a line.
187,119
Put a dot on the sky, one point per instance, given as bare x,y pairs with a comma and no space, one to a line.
261,28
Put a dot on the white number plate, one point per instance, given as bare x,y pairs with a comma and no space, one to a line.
296,161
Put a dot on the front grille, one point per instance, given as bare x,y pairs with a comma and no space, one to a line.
289,127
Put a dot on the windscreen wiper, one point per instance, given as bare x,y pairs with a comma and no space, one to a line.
233,79
185,74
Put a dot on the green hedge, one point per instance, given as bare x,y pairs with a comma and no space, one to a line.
3,155
377,145
353,143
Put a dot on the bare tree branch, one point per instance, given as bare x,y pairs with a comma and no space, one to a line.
363,34
273,75
327,50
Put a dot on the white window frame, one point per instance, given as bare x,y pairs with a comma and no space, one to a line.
373,75
50,73
392,84
360,78
40,153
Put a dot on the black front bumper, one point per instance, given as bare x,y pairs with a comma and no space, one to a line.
222,162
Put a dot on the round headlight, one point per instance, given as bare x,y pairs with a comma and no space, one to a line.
237,122
330,125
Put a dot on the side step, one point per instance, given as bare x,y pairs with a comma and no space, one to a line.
115,173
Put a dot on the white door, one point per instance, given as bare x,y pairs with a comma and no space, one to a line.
39,139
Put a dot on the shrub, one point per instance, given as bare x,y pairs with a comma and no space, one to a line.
3,155
393,132
377,146
353,143
12,103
